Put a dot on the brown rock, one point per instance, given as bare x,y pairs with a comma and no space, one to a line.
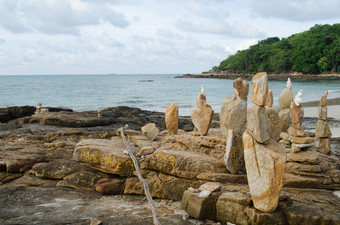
322,113
171,118
285,117
241,88
150,131
304,156
322,129
108,186
296,132
200,101
323,146
269,100
302,140
128,132
257,123
285,98
211,186
202,118
323,100
285,143
265,166
233,158
296,113
223,177
274,128
147,150
286,136
233,115
272,113
259,89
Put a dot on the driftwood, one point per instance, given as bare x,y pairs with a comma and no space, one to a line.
140,177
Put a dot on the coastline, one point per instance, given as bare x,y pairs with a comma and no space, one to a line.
274,76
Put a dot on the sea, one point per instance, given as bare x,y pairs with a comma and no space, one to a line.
146,91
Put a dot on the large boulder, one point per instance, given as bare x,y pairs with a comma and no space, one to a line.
201,118
259,89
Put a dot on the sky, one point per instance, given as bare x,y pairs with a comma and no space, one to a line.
144,36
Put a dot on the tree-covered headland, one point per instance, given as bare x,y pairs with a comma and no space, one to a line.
314,51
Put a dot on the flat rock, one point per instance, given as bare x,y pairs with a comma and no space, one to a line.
224,178
304,156
303,140
257,123
171,118
211,186
233,158
265,166
108,186
105,155
296,132
202,118
259,89
286,136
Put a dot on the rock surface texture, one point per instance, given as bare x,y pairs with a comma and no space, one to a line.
171,118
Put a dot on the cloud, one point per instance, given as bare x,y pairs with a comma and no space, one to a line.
303,10
2,41
203,9
240,29
56,16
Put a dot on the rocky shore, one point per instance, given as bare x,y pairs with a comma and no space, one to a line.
66,167
275,76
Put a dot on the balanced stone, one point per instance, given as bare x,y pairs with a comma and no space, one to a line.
322,112
171,118
296,112
233,157
265,165
302,140
202,118
241,88
274,128
296,132
323,146
285,117
200,101
259,89
150,131
286,96
257,123
322,129
323,100
269,100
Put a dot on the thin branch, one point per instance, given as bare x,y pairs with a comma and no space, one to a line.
140,177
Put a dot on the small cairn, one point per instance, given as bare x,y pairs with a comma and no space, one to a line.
171,118
265,159
285,99
322,131
202,116
274,122
233,121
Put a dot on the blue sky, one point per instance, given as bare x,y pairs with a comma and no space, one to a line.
144,36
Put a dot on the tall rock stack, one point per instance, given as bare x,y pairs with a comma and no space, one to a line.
202,116
322,131
233,119
274,122
264,158
171,118
285,99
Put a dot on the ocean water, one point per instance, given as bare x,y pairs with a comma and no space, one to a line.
95,92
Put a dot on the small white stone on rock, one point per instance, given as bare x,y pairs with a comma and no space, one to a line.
204,194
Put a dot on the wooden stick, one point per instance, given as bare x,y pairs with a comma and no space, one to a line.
140,177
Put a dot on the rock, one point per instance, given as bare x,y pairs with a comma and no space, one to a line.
265,165
296,113
150,131
128,132
147,150
286,136
274,128
285,117
171,118
322,129
199,207
257,123
105,155
241,88
272,113
95,221
233,115
323,146
269,100
200,101
285,98
224,178
295,148
302,140
10,113
193,190
322,113
323,100
108,186
285,143
296,132
305,156
211,186
202,118
233,158
259,89
204,194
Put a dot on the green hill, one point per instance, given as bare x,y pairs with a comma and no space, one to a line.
314,51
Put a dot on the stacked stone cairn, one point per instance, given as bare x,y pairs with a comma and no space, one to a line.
233,120
322,131
285,99
265,158
202,116
274,122
171,118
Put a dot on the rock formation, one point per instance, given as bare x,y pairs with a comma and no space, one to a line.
202,116
233,119
171,118
150,131
264,158
322,131
274,125
285,99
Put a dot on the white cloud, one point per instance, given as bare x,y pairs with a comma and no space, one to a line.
302,10
2,41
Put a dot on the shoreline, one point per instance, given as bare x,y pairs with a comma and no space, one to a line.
294,76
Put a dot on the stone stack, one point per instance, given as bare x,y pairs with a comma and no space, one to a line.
171,118
274,122
233,120
264,158
202,116
322,131
285,99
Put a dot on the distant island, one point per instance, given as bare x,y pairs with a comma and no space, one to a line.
309,54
